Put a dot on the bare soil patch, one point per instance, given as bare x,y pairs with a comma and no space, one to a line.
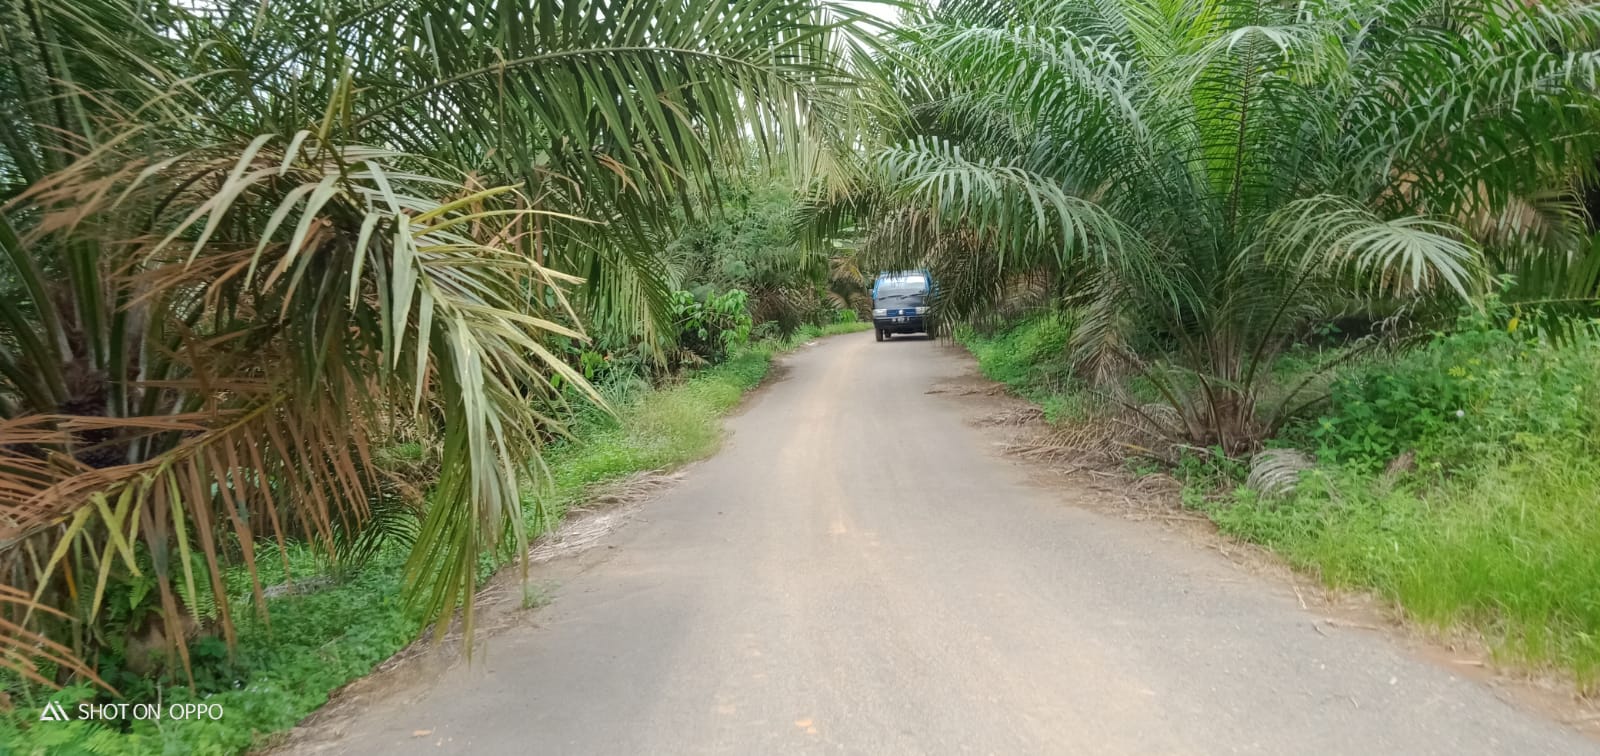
1079,467
509,599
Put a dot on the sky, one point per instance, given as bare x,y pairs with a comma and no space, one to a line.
884,11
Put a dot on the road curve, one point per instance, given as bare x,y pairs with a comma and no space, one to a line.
858,572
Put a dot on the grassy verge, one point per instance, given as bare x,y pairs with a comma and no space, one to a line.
1461,481
1027,358
1511,551
324,638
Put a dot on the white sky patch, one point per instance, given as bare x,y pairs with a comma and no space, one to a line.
884,11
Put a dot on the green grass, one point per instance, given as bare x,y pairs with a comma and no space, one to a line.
321,640
808,332
279,672
1030,358
1512,551
652,429
1496,531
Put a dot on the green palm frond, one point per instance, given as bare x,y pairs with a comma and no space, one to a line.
1205,176
234,251
1400,254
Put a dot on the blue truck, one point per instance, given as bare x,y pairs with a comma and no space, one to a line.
900,303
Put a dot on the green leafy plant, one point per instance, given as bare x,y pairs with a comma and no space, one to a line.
1487,391
712,327
1201,179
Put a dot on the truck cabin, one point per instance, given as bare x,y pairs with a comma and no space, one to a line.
900,305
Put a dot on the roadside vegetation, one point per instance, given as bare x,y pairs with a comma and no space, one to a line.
1461,480
300,325
305,333
1331,264
1456,477
331,623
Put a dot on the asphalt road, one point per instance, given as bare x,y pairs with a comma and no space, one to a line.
859,572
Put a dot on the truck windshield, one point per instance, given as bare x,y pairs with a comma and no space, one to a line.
899,293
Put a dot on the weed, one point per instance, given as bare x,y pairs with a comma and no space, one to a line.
1486,392
320,639
535,596
1030,358
1493,527
1512,551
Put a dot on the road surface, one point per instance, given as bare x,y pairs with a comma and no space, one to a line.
859,572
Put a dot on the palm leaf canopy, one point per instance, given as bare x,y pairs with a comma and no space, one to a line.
239,255
1207,172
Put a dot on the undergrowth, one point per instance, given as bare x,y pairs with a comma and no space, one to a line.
1030,359
1459,479
340,628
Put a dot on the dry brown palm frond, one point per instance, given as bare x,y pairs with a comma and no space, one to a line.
1013,417
1079,445
259,345
1276,472
22,648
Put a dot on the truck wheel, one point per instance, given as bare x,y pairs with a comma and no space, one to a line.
880,333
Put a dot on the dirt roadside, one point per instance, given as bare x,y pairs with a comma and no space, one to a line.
1018,432
862,569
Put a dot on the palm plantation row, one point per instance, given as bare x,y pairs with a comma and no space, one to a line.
245,253
1201,181
250,248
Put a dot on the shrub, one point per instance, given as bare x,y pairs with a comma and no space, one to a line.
1028,356
710,328
1496,531
1488,391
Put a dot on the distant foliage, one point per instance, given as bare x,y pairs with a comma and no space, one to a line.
750,244
747,243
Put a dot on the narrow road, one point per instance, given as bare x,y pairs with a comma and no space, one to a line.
859,572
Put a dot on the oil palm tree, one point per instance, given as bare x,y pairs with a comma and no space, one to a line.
1203,176
235,252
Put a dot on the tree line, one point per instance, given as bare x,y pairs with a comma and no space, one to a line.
248,245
